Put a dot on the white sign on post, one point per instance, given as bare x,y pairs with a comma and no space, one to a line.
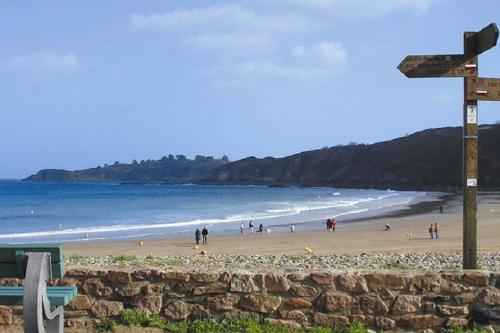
472,182
471,114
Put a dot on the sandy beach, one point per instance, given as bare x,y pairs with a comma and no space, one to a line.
367,236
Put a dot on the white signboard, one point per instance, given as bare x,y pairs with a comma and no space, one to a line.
472,182
471,114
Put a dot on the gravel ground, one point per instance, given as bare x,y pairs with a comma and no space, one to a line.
398,261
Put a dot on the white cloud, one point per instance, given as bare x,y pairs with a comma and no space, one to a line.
316,62
360,8
46,60
229,40
227,16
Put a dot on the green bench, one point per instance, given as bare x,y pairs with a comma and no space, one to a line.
36,263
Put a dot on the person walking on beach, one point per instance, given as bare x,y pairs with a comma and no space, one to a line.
436,231
204,232
250,227
292,229
261,228
241,228
328,224
441,210
197,236
334,224
431,231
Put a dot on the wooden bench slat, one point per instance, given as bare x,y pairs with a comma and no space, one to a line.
9,270
57,295
7,251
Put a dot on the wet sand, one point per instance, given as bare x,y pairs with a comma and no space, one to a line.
350,238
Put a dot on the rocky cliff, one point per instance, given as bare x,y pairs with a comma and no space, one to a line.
430,159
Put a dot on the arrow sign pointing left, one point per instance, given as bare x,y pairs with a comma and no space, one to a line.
451,65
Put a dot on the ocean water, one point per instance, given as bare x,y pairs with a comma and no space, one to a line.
50,211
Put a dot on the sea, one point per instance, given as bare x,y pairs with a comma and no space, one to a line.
40,212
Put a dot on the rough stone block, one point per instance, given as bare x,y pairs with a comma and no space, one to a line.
465,298
322,278
489,296
95,287
103,308
331,301
420,321
453,322
205,277
373,304
385,323
119,277
177,310
476,278
222,303
285,323
128,291
352,283
199,312
261,303
379,281
454,287
176,276
298,303
302,290
406,304
329,320
276,282
5,315
244,282
150,304
80,302
448,310
294,315
428,282
297,276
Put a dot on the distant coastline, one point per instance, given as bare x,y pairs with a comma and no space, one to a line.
429,160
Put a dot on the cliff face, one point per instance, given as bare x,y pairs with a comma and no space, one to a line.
431,159
167,170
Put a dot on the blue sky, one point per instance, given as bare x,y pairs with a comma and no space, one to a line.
92,82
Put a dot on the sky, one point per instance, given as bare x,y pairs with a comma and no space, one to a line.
84,83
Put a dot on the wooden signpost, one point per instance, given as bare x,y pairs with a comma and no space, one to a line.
475,88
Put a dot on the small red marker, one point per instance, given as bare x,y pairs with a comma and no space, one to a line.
482,92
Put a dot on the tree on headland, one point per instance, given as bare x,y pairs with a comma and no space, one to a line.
180,157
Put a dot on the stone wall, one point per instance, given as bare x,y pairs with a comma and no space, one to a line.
409,301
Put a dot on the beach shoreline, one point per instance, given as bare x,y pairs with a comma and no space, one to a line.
409,234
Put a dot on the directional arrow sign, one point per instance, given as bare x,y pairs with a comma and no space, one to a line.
483,40
451,65
483,89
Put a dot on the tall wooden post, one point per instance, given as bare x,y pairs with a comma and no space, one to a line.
470,172
475,88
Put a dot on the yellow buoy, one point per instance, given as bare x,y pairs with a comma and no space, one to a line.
141,243
196,247
308,250
203,252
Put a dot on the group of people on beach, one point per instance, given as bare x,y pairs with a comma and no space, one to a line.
198,234
434,231
331,224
